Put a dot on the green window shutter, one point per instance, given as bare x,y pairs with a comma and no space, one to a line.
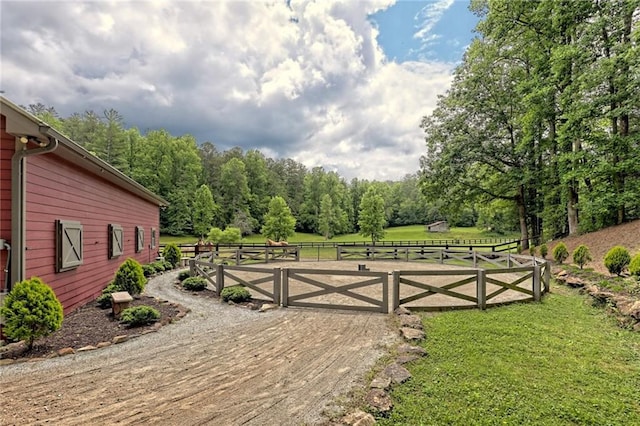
116,240
68,245
139,239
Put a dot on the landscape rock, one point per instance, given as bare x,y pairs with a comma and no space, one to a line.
103,344
574,282
66,351
379,400
403,359
602,296
412,334
406,349
380,382
268,307
412,321
120,339
358,418
6,361
87,348
562,273
397,373
401,310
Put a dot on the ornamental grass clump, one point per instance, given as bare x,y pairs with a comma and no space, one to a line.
581,255
194,284
31,310
236,294
139,315
617,259
560,253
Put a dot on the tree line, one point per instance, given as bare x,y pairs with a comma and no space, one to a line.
541,124
207,187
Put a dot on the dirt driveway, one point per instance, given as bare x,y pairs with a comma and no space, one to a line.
220,365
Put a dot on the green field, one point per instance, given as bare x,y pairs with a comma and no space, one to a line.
558,362
400,233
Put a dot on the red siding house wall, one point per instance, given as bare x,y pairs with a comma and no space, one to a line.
67,183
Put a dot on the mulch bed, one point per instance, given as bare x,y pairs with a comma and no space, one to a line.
89,326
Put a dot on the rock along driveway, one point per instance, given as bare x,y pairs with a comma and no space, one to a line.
220,365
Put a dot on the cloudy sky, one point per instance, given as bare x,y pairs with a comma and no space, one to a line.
338,84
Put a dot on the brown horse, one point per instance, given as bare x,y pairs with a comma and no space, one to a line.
272,243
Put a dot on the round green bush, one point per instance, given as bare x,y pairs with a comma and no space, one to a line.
130,277
194,284
31,310
560,253
581,255
148,270
139,315
544,250
159,266
183,275
533,250
634,266
172,254
617,259
167,265
235,294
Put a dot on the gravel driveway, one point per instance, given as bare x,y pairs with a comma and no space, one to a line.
220,365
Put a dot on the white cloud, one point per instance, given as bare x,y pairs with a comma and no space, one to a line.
429,16
307,81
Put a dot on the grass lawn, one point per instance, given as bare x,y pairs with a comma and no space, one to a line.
559,362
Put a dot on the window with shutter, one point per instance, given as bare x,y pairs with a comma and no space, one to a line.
116,240
68,245
153,238
139,239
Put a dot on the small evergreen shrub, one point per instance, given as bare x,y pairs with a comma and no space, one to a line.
544,250
148,270
533,250
139,315
104,300
617,259
634,266
235,294
172,254
560,253
183,275
194,284
519,249
31,310
159,266
167,265
130,277
581,255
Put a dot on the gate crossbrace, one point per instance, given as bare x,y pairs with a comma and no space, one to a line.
328,289
431,290
252,284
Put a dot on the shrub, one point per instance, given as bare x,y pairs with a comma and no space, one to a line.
130,277
104,300
167,265
581,255
519,249
634,266
533,250
544,250
235,294
172,254
194,284
31,310
183,275
148,270
560,253
617,259
139,315
159,266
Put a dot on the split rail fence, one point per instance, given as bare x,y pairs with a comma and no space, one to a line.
477,279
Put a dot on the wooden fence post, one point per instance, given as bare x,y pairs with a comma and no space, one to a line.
396,291
219,279
385,293
537,275
192,267
475,259
481,288
339,254
277,285
547,277
285,286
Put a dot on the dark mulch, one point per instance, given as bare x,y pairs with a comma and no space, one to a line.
252,303
88,326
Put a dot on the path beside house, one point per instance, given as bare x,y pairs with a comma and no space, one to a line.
219,365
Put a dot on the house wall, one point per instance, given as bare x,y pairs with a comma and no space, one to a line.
56,189
7,146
